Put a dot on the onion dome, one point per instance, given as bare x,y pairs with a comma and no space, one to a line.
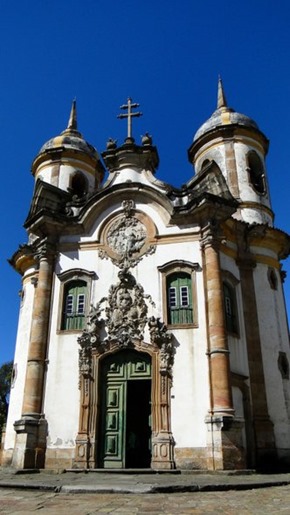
224,116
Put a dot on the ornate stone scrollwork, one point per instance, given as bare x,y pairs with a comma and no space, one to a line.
163,338
126,311
125,317
44,249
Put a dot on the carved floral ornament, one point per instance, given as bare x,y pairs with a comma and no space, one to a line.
121,319
126,238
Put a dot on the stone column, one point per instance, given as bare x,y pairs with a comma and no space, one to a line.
224,435
31,429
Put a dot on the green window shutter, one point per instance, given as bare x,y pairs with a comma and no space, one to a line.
74,305
179,299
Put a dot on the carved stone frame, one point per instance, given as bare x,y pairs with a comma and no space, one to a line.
87,443
65,278
180,266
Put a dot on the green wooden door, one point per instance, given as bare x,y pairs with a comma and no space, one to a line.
118,375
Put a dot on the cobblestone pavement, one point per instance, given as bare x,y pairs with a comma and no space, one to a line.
262,501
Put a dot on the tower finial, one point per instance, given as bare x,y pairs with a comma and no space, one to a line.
129,115
221,98
72,123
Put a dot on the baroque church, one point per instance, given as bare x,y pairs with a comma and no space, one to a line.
152,329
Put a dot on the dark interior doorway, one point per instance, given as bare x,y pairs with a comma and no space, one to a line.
138,424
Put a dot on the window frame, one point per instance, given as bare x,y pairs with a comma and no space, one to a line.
71,315
176,267
66,278
230,282
81,189
252,155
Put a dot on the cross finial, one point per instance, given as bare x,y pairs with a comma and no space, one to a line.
129,115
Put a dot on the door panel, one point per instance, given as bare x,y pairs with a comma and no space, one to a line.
114,426
138,369
125,417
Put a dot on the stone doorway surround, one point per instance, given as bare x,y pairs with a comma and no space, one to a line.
123,326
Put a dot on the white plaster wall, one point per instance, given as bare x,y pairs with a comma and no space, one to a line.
20,362
130,175
61,399
65,172
190,391
61,406
44,174
157,213
215,153
274,338
190,401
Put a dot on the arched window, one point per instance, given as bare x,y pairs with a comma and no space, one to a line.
256,172
74,305
79,184
205,163
272,278
179,298
230,307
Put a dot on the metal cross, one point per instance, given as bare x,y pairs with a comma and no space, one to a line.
129,115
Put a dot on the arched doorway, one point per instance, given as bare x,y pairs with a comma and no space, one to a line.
124,429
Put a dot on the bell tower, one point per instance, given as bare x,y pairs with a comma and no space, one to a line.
237,146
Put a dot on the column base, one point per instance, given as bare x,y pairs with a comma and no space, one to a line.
225,450
163,451
30,443
82,452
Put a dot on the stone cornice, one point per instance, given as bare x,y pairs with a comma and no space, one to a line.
22,259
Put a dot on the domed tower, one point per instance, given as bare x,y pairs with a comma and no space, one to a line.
69,162
236,144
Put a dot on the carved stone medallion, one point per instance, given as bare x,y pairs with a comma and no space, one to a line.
126,238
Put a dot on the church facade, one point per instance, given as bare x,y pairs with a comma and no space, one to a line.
152,329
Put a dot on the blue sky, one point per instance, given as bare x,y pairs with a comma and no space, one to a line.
167,56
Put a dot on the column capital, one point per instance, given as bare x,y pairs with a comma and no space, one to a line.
45,250
211,235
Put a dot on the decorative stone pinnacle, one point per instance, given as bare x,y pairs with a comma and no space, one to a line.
72,123
129,115
221,98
